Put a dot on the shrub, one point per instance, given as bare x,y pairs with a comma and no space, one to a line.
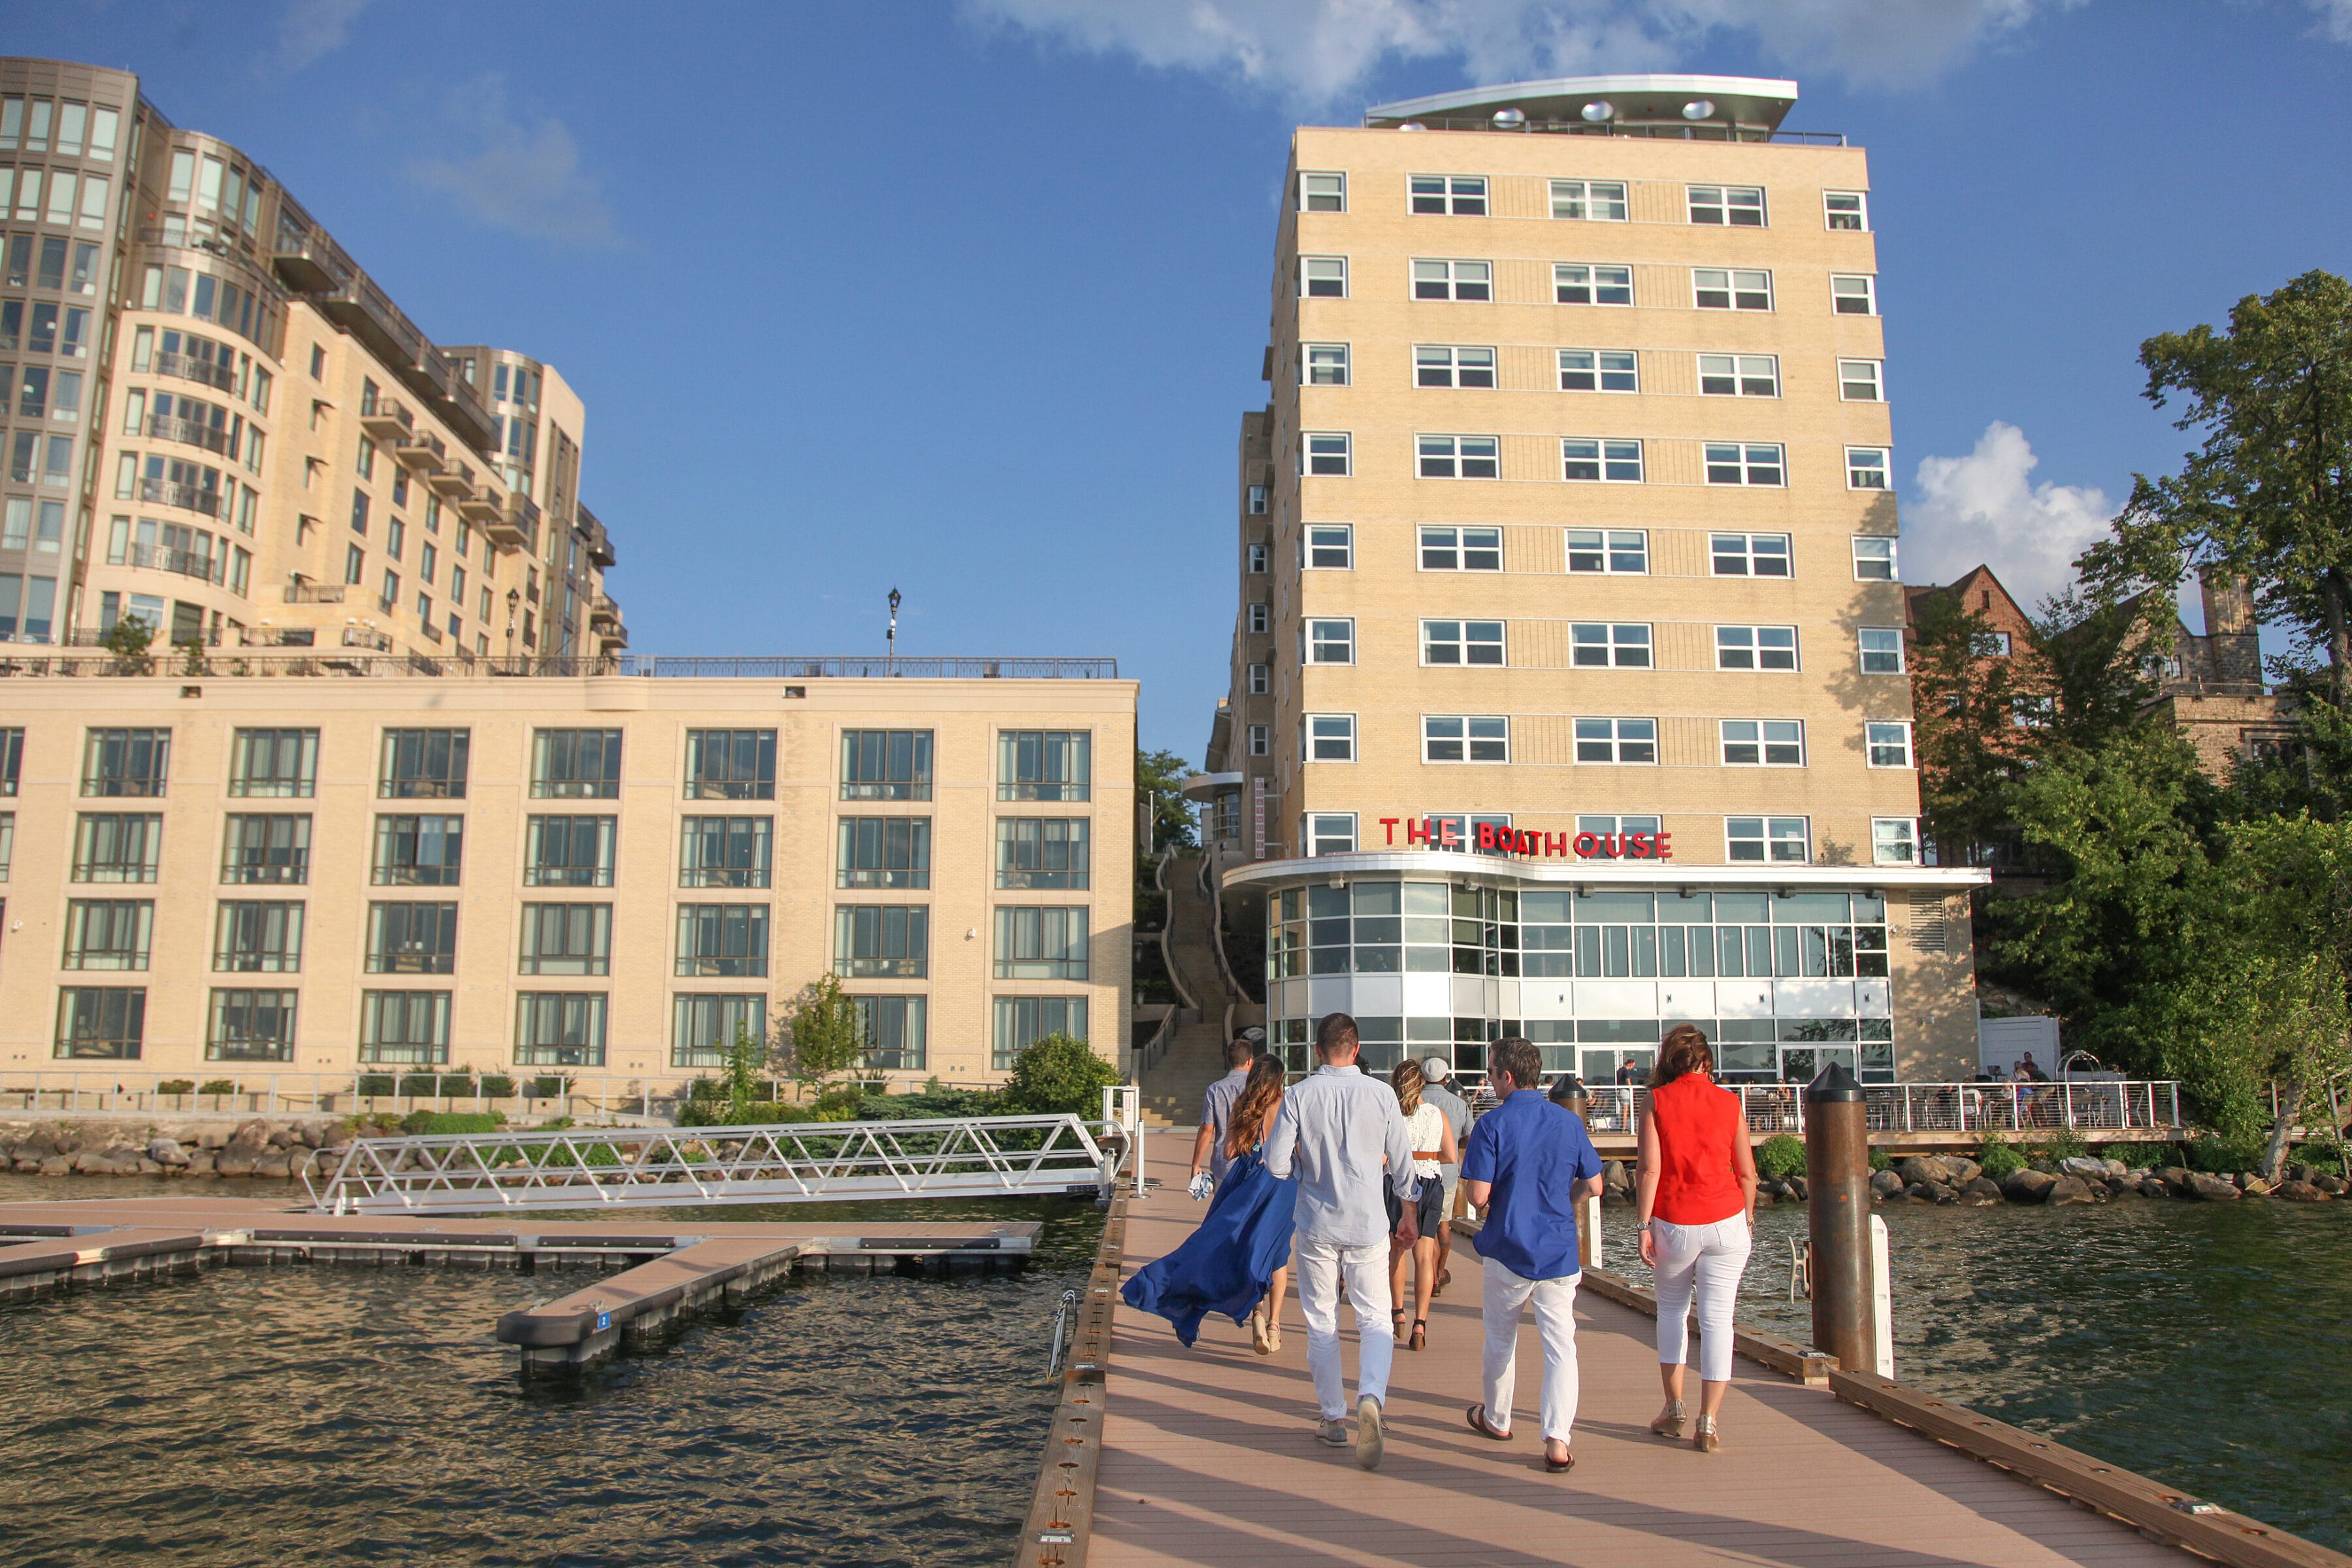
1058,1076
375,1084
931,1102
218,1086
455,1122
2220,1156
1780,1157
416,1122
1878,1160
460,1085
498,1086
555,1124
419,1085
176,1086
2325,1154
2061,1144
2000,1159
550,1086
721,1112
2137,1157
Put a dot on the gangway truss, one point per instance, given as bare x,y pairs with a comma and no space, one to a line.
787,1162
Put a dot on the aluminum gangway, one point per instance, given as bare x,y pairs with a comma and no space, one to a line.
808,1161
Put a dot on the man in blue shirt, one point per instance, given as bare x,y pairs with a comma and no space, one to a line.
1528,1162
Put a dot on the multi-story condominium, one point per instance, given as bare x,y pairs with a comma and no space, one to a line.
1568,691
330,867
215,420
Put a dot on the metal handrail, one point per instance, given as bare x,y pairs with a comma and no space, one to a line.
2025,1108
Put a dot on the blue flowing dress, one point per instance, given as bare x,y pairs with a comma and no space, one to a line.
1227,1265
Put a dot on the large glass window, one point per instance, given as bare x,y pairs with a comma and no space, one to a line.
1608,462
726,852
11,757
1440,364
109,934
1750,554
266,848
559,1029
1461,549
257,938
884,852
1459,195
1739,206
567,939
1609,551
1731,288
418,851
1599,370
1608,645
1882,650
1329,642
722,939
126,761
885,764
1459,456
423,765
1041,944
1590,201
1041,852
730,764
1330,737
1755,648
575,764
1779,840
1764,742
247,1025
1022,1020
1453,280
1745,463
704,1027
1617,741
882,942
569,851
276,763
1045,765
410,1028
1584,283
412,939
102,1021
1462,642
896,1032
1895,840
118,847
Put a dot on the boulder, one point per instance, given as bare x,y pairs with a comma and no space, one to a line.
1800,1188
275,1163
35,1147
2068,1190
2152,1185
1612,1173
147,1167
312,1133
1918,1168
2124,1187
92,1162
1964,1170
200,1164
335,1137
1884,1184
2253,1186
2117,1168
299,1161
2296,1171
1980,1192
234,1162
2084,1167
55,1165
2028,1185
2044,1164
2180,1180
1928,1192
2300,1193
1764,1200
2334,1186
283,1137
26,1164
2212,1189
166,1152
252,1134
212,1136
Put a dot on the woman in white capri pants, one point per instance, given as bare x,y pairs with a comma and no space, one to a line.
1695,1192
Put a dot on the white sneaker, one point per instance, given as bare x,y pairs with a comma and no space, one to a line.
1331,1434
1369,1442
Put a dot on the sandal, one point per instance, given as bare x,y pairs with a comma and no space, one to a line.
1560,1467
1669,1424
1444,1276
1476,1415
1396,1322
1420,1339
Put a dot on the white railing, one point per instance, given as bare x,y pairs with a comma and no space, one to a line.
2104,1105
962,1157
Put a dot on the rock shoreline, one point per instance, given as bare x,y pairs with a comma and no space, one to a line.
1957,1180
281,1151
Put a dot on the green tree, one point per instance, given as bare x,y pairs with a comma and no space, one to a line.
1159,790
1058,1076
1971,750
128,640
819,1033
2293,881
2094,658
2267,497
747,1062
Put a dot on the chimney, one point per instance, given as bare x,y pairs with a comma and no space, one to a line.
2230,638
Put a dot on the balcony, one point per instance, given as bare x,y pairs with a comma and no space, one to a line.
421,452
387,419
188,497
600,543
186,562
604,613
480,506
367,638
303,593
516,527
613,641
193,432
187,367
455,482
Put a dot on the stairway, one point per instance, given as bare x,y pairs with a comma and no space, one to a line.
1173,1085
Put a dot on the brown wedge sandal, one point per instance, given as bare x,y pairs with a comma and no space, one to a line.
1420,1339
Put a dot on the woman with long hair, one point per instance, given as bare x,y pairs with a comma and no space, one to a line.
1695,1197
1237,1262
1434,1148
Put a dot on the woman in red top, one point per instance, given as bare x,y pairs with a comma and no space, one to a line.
1695,1195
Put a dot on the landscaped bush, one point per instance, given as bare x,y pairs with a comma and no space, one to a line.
419,1085
2139,1156
416,1122
1780,1157
460,1085
708,1112
457,1121
550,1086
176,1086
2326,1155
218,1086
940,1102
2222,1156
2000,1159
498,1086
1057,1077
2060,1144
1879,1161
375,1084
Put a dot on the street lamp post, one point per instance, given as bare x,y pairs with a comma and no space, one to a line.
892,637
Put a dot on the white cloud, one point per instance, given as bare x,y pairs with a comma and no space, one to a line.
506,174
2335,19
310,30
1984,508
1318,52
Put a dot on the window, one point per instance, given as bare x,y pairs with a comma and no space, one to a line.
1324,452
1775,840
575,764
1895,840
1588,200
1460,456
354,564
559,1029
109,934
1331,547
569,851
1605,646
1755,648
566,939
7,841
1465,737
125,761
729,764
1618,550
1322,364
423,765
1873,560
725,851
1259,740
1257,560
704,1029
1322,277
118,847
1741,206
359,513
1614,462
12,759
409,1029
1331,642
1750,554
1461,195
1865,467
1854,294
1617,740
1453,279
1882,650
1043,765
1889,744
257,938
1260,679
1846,209
1462,642
1861,381
100,1022
1330,737
1257,501
276,763
876,764
1261,620
1041,943
1042,852
412,939
882,942
1322,192
418,851
1022,1020
726,940
894,1031
1438,364
1740,375
1589,283
1731,288
1744,463
1764,742
1599,370
1331,833
1461,549
884,852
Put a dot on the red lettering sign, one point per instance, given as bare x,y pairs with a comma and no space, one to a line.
1448,832
1391,824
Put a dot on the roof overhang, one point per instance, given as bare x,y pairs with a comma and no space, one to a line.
1746,103
1208,786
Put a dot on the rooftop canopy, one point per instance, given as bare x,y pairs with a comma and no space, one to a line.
1726,108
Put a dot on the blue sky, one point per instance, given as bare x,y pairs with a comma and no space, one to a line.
968,299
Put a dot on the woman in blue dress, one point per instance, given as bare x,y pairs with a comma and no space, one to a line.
1238,1261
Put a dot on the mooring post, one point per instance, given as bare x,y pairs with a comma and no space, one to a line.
1837,1175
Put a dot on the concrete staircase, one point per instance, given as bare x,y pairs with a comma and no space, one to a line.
1172,1085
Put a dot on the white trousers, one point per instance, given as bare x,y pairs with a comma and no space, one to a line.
1709,1259
1555,1304
1321,1267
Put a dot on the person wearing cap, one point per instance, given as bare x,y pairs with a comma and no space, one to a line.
1437,1091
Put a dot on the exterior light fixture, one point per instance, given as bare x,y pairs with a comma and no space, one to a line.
1509,118
1600,111
1698,108
1413,125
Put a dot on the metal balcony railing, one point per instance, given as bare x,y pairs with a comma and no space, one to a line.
193,432
365,636
187,367
287,662
188,497
301,593
162,558
2099,1105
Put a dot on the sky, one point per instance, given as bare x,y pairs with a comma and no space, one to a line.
967,298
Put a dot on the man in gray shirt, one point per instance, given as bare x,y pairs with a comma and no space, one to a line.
1217,1111
1335,1129
1438,1072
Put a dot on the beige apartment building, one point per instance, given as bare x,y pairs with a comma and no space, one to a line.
1567,690
327,867
217,422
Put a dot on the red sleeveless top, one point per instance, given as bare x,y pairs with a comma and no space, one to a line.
1697,1122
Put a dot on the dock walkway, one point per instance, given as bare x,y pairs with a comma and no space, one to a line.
1209,1456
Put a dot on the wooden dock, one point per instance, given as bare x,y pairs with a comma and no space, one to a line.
1208,1456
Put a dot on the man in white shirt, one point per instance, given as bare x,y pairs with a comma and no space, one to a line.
1336,1129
